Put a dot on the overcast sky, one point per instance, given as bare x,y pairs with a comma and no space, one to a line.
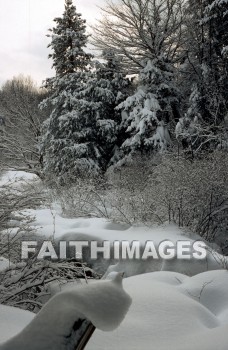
23,28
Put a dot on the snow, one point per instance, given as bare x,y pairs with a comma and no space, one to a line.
12,321
100,227
169,311
16,176
172,311
4,263
104,303
49,223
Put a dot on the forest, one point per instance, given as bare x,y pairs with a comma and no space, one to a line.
127,140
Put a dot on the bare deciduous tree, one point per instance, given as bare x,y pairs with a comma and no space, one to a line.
19,106
137,29
15,221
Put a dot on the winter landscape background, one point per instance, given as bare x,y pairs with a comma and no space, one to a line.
126,141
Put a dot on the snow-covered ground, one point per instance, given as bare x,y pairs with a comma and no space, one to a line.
170,309
49,223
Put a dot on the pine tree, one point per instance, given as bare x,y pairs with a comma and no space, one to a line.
109,88
82,134
68,40
149,112
67,141
105,88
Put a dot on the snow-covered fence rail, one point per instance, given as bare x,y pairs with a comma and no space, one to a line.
69,318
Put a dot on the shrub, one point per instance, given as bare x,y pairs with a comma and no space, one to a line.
29,285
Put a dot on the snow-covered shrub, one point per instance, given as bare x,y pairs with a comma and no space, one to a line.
191,194
15,223
29,285
84,198
197,137
130,195
122,195
159,189
194,193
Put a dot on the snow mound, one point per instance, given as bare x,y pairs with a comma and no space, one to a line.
48,220
172,311
104,303
12,321
189,267
169,311
212,293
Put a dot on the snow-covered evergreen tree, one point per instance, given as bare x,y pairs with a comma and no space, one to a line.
207,46
82,133
68,40
104,89
212,68
215,68
148,113
67,141
107,89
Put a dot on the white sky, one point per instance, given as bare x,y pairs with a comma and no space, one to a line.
23,28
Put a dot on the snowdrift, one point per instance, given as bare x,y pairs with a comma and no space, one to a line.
172,311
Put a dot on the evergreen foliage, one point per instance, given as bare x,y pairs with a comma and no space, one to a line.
82,133
95,124
204,126
65,144
105,90
150,111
